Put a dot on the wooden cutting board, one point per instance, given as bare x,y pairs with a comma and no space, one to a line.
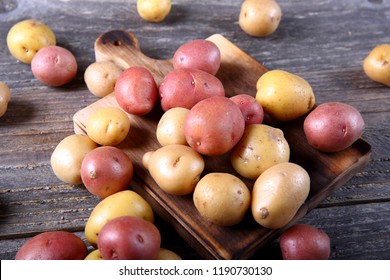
239,73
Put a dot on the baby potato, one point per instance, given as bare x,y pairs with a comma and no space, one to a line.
260,18
170,128
222,198
175,168
68,156
100,77
27,37
333,126
5,96
108,126
123,203
94,256
283,95
260,147
377,64
165,254
251,109
153,10
54,66
278,194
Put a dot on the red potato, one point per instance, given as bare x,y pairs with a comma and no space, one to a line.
129,238
136,90
304,242
214,126
186,87
198,54
333,126
251,109
106,170
53,245
54,66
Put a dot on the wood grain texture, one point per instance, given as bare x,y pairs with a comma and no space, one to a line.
323,41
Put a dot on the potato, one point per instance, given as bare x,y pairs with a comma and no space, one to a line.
136,90
53,245
175,168
304,242
170,128
186,87
214,126
260,147
153,10
106,170
165,254
129,238
5,96
27,37
251,109
199,54
333,126
222,198
283,95
278,194
100,77
54,66
123,203
94,256
376,65
108,126
68,156
260,18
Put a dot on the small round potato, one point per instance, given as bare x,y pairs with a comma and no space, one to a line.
283,95
100,77
251,109
153,10
124,203
175,168
165,254
260,147
5,96
170,128
377,64
68,156
94,256
278,194
222,198
27,37
260,18
108,126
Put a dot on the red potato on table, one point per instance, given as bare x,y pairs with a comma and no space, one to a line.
251,109
186,87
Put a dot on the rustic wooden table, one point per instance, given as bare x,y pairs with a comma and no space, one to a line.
322,41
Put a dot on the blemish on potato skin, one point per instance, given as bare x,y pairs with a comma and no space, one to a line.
263,213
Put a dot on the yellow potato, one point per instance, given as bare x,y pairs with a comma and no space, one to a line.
278,194
94,256
175,168
283,95
377,64
165,254
100,77
27,37
5,96
170,128
153,10
68,156
260,147
123,203
108,126
222,198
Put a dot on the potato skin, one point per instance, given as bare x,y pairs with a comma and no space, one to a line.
53,245
5,96
27,37
153,10
214,126
198,54
136,90
333,126
170,128
278,193
377,64
283,95
304,242
54,66
251,109
186,87
260,147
